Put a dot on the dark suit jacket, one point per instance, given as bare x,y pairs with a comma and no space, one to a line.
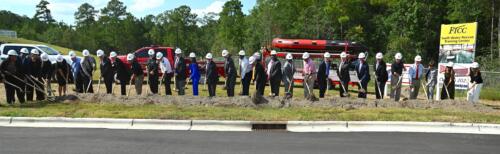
275,72
212,76
381,72
344,72
230,69
122,72
180,69
363,72
260,74
322,77
106,68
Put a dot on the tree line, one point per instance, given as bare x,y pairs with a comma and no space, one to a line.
408,26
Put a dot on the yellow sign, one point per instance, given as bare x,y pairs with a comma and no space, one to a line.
458,33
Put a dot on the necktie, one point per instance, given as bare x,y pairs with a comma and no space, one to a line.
417,74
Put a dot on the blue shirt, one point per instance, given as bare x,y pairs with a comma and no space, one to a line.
412,72
76,67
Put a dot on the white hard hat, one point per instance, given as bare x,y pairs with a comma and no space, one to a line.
112,54
178,51
418,58
24,50
241,53
305,55
361,56
130,56
209,56
450,64
72,54
85,52
273,52
192,55
343,55
44,57
289,56
251,60
225,53
379,55
151,52
257,55
327,55
100,53
159,55
398,56
12,53
35,52
474,65
59,58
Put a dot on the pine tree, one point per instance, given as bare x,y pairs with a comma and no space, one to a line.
43,12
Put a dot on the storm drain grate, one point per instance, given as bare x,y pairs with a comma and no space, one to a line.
268,127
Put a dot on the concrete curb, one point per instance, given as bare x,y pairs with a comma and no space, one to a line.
222,125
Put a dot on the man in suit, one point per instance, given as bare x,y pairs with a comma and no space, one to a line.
415,74
363,72
343,73
180,72
323,72
245,73
288,72
274,73
230,71
212,77
107,72
381,75
259,74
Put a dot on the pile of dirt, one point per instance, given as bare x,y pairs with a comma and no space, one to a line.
276,102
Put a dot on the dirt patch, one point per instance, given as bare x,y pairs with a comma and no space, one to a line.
277,102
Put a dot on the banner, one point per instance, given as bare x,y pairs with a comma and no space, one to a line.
458,45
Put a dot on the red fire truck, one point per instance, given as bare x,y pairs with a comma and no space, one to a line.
316,48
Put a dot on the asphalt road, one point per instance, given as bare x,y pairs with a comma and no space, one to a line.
68,141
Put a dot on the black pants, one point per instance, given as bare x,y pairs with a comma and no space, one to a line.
108,82
344,88
260,87
381,86
153,83
168,81
246,84
79,83
230,83
39,94
29,89
322,87
87,84
10,92
275,86
364,85
123,87
211,89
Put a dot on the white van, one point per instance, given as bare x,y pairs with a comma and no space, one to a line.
4,48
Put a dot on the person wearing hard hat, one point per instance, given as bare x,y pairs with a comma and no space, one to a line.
36,75
415,74
212,77
122,73
259,77
288,71
62,74
245,70
274,73
381,75
448,87
476,83
107,72
363,72
431,79
180,72
10,75
153,70
323,73
137,73
168,72
76,71
25,60
343,73
397,68
194,73
47,72
88,66
309,73
230,73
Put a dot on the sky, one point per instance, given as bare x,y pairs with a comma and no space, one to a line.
63,10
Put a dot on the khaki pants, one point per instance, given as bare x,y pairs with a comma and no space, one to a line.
395,87
309,85
473,94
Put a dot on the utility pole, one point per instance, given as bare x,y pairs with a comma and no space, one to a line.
492,27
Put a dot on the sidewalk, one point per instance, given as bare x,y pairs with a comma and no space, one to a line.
222,125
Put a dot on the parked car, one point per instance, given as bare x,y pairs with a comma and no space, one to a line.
4,48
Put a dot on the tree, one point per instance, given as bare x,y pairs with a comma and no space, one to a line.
43,12
85,15
114,10
231,27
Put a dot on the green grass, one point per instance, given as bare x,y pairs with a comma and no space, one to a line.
111,110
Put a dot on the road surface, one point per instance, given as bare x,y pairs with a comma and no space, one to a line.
79,141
